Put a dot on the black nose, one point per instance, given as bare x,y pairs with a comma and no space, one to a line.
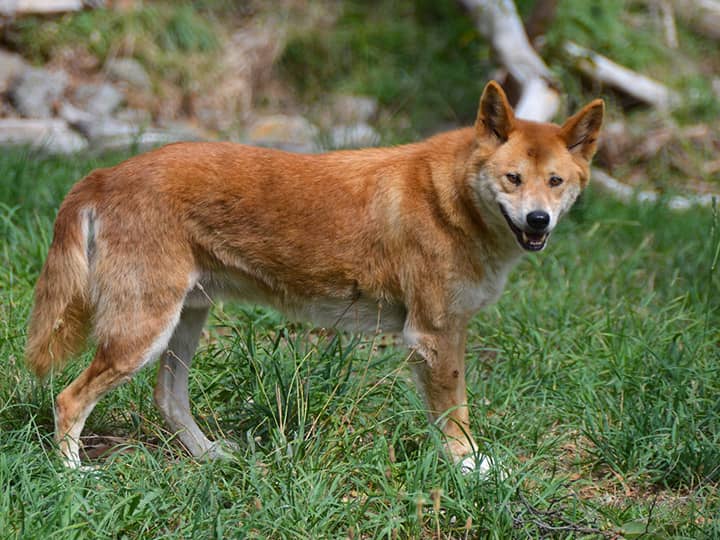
538,220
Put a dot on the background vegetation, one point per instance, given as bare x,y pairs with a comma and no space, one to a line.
594,380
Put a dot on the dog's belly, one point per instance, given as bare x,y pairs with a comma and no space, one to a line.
359,314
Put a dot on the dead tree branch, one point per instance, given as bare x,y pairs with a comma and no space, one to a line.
498,21
27,7
604,70
627,194
552,520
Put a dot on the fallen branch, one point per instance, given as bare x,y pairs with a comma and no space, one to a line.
27,7
604,70
628,194
498,21
668,21
551,521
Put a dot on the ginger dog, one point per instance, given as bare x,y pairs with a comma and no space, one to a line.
413,239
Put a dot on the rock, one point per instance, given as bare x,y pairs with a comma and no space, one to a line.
140,142
138,117
349,109
35,91
51,135
101,99
105,133
356,136
11,65
128,70
294,133
96,128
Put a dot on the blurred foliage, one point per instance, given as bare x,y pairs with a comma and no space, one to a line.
162,35
426,59
423,56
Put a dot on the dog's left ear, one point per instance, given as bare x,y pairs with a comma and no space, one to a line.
580,131
495,116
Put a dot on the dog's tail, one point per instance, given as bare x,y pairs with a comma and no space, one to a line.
59,322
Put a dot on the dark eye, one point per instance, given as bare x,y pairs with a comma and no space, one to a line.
514,178
555,181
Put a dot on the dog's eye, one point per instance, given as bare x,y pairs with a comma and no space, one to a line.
514,178
555,181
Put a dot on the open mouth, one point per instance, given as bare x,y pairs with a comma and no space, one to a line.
529,241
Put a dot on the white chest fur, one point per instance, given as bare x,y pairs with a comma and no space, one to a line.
469,297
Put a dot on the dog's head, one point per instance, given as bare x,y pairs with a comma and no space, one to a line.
525,175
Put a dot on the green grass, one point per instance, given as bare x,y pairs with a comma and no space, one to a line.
595,380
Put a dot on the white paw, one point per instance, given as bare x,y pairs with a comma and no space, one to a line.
484,467
84,470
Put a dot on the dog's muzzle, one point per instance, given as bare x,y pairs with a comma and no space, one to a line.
535,236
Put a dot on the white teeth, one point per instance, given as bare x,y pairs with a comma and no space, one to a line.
525,238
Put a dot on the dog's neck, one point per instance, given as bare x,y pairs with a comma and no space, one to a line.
457,202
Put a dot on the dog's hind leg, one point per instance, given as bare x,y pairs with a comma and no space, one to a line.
171,390
118,357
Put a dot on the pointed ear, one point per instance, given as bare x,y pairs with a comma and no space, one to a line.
495,116
581,130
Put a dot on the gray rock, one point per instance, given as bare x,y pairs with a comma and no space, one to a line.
101,99
356,136
128,70
35,91
50,135
11,65
145,140
74,115
93,126
349,109
105,133
138,117
294,133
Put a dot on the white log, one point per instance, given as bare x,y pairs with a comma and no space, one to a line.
642,88
27,7
498,21
668,20
628,194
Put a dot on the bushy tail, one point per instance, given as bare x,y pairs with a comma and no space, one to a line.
59,320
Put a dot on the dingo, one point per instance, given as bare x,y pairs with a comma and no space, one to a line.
415,239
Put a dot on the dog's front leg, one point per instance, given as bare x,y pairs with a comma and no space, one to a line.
438,364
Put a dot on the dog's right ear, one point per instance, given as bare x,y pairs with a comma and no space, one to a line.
495,116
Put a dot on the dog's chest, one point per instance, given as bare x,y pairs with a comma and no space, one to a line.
470,296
